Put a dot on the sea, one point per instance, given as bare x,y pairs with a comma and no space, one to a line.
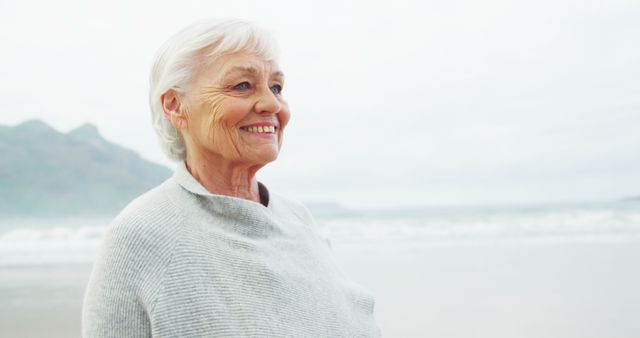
25,241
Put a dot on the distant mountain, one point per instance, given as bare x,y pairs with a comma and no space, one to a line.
631,198
44,172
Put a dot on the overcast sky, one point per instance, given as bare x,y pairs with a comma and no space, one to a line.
393,103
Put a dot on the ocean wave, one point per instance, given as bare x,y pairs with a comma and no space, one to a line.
488,224
67,241
54,245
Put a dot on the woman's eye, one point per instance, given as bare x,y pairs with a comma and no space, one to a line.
276,89
242,86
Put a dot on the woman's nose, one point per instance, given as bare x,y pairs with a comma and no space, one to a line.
267,102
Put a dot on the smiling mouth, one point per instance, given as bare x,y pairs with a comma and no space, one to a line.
261,129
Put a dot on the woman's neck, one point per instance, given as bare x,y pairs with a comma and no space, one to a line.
222,177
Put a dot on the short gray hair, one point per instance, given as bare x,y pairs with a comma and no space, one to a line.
177,60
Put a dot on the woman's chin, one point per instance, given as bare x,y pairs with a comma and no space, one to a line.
270,158
265,157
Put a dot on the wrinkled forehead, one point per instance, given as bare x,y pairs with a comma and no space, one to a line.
241,64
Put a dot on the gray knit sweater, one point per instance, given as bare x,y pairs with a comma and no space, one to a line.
181,262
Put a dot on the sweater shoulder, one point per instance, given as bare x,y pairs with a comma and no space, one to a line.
142,236
154,204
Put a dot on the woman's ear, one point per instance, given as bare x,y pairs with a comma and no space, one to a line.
172,112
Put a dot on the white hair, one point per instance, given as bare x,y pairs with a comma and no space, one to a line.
178,58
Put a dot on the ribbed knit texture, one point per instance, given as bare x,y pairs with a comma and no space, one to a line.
181,262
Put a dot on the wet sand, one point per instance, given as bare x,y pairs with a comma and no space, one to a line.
42,301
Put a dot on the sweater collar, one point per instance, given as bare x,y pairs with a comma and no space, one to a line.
188,182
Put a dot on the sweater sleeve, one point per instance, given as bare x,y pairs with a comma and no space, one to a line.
112,304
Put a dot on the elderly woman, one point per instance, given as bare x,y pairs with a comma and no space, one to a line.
211,252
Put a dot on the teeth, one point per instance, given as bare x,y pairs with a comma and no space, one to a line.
261,129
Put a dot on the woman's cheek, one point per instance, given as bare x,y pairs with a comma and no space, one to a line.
285,116
226,129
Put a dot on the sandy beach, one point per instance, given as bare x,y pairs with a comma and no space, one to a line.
505,289
501,288
42,301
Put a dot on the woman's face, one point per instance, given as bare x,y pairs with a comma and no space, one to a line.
235,110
